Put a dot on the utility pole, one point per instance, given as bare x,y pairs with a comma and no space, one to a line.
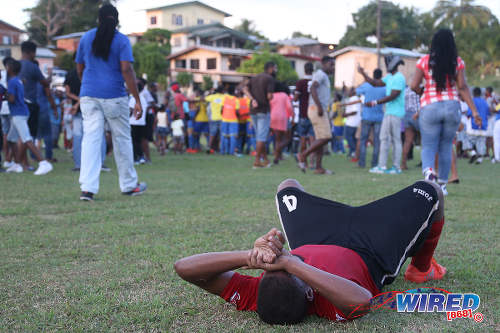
378,33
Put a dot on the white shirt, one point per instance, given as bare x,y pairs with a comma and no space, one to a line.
5,106
131,104
177,126
355,119
148,98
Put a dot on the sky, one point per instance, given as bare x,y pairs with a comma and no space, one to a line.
276,19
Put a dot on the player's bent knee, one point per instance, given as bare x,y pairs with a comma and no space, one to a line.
290,183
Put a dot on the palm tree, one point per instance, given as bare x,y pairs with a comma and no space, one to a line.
462,14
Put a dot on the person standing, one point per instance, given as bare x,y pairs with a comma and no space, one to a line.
281,112
301,94
371,117
215,103
352,121
104,61
411,128
444,74
260,90
319,99
390,131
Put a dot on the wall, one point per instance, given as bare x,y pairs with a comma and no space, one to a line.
70,44
190,16
15,36
202,56
15,52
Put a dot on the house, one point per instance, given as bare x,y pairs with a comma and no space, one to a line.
214,34
45,59
11,38
68,42
348,58
304,46
298,61
220,63
182,15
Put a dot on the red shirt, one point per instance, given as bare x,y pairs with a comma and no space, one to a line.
241,290
179,99
431,94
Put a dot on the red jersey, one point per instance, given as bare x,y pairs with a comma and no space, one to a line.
241,290
431,94
179,99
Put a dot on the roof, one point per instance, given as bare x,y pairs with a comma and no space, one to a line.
12,27
43,52
69,36
300,56
299,41
383,51
136,34
189,3
213,30
222,50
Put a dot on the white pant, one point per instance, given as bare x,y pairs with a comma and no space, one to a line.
390,133
496,140
116,112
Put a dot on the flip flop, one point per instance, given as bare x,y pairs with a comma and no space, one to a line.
454,181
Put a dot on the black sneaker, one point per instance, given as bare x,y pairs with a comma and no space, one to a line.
140,189
87,196
473,158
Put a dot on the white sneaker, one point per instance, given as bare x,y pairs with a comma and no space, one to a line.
7,164
443,188
44,167
16,168
377,170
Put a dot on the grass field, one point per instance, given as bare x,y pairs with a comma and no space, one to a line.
108,265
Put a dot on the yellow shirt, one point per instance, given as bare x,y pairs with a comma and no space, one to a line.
201,117
339,119
216,102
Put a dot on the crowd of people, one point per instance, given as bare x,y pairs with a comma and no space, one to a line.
259,116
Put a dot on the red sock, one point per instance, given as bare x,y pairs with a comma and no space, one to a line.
422,259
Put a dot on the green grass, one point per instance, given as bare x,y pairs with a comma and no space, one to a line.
108,265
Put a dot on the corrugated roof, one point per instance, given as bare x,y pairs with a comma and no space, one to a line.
72,35
43,52
12,26
189,3
383,51
298,41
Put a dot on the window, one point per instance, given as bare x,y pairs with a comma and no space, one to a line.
5,53
224,42
234,63
177,41
292,62
152,20
211,63
7,40
200,21
194,64
180,63
176,19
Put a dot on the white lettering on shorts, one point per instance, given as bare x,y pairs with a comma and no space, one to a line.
235,298
423,193
291,202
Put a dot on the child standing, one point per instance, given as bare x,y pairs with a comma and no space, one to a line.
162,129
19,127
67,123
476,136
178,133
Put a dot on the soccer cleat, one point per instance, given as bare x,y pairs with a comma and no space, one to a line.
473,157
377,170
393,171
138,190
435,272
16,168
443,189
44,167
479,160
87,196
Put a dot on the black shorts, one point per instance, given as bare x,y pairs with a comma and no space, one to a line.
384,232
34,110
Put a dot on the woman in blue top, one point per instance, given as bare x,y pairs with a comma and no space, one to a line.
104,63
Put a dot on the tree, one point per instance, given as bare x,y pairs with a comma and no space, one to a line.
150,53
463,14
208,83
297,34
400,27
248,27
65,61
256,65
184,79
50,18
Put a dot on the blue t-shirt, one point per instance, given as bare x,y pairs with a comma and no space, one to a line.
396,107
484,111
41,99
103,78
31,75
16,88
371,93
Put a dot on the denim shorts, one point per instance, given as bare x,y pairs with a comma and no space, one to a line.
305,128
214,127
19,129
5,123
162,131
261,123
201,127
408,121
